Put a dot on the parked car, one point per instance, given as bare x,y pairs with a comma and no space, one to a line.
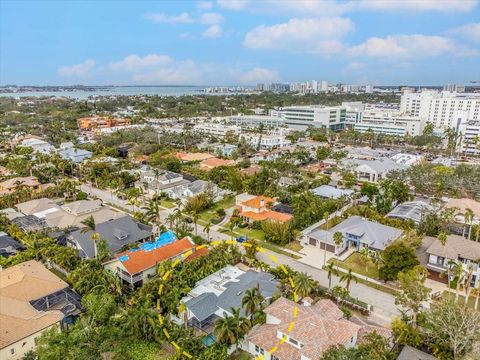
242,239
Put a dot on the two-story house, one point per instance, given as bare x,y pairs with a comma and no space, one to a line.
317,328
457,249
259,208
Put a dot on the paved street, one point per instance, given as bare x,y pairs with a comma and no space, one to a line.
384,307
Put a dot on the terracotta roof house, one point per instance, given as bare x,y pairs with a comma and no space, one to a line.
100,122
187,157
10,185
317,328
117,232
258,208
136,266
212,163
32,300
457,249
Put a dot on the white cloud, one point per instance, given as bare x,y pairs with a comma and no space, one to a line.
183,18
258,75
316,35
211,18
336,7
418,5
204,5
408,46
470,31
134,62
78,70
213,31
179,73
233,4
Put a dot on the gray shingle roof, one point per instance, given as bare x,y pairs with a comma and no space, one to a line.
373,234
456,246
411,210
207,304
331,192
410,353
117,233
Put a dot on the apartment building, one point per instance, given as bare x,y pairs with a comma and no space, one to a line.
443,109
266,141
253,121
390,122
217,129
470,137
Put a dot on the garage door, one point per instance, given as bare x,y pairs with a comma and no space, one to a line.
330,248
312,242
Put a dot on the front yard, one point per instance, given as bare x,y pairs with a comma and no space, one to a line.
461,299
210,214
357,264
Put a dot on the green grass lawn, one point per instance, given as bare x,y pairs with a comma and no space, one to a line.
167,204
209,214
295,246
357,264
461,299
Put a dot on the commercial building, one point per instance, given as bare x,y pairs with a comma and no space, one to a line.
469,132
32,300
442,109
390,122
254,121
216,129
301,117
354,112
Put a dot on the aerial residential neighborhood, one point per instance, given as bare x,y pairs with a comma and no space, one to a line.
175,184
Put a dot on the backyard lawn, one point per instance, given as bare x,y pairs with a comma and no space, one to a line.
240,355
331,223
295,246
167,204
357,264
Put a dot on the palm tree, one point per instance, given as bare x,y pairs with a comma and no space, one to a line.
195,220
458,274
251,301
331,270
207,229
348,277
230,330
365,255
182,310
91,226
171,219
231,226
468,282
152,213
304,284
325,217
469,219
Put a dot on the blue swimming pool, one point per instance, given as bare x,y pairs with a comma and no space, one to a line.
208,340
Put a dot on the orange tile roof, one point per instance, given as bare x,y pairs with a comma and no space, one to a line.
266,215
215,162
193,156
199,253
141,260
255,202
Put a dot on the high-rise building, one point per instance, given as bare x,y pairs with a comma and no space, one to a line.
469,132
323,85
442,109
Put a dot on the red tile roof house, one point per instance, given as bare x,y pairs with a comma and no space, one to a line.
212,163
257,208
136,266
317,328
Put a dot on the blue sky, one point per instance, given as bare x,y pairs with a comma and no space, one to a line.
382,42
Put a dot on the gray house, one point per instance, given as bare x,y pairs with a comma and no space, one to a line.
357,232
69,152
117,232
214,296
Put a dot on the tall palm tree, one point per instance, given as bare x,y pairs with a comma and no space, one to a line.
230,330
348,277
231,226
331,270
326,214
171,219
91,226
304,284
251,301
467,282
365,255
195,220
469,219
207,229
152,214
458,274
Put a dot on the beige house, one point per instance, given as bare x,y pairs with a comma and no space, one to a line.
25,312
11,185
